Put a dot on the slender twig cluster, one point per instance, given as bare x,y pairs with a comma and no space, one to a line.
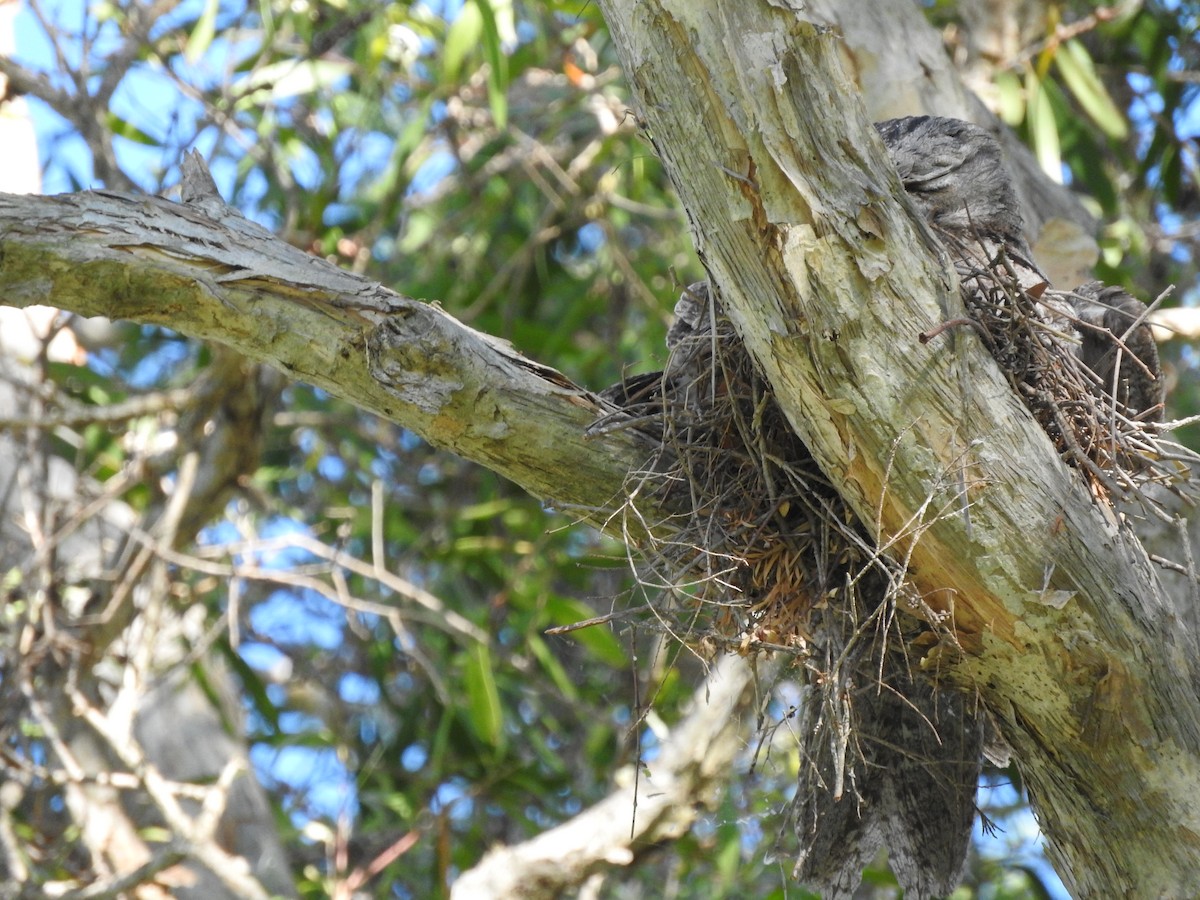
1033,335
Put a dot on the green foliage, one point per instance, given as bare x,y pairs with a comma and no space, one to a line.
1079,73
487,160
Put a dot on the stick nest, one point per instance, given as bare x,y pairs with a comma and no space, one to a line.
766,555
765,548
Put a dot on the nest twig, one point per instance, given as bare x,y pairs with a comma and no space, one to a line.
769,556
1033,335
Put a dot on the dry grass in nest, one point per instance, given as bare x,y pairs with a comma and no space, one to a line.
768,557
769,553
765,543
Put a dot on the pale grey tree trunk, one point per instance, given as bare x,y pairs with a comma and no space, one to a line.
1067,632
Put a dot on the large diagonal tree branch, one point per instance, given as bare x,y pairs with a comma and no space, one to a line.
205,271
1068,636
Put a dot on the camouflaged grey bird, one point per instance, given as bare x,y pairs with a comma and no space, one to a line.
890,756
920,744
954,173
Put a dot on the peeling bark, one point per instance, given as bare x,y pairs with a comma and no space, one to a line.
1067,635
